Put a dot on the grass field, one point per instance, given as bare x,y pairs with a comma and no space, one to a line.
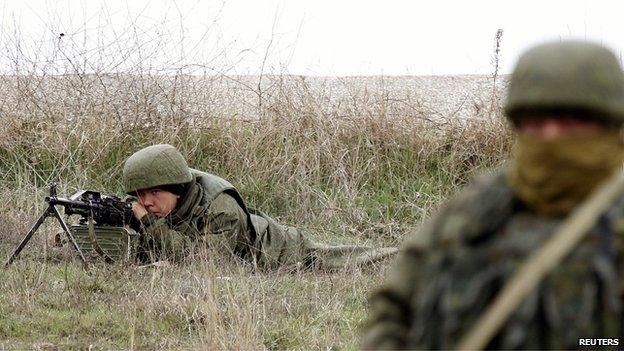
352,162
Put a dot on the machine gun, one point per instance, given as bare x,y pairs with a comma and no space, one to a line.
103,227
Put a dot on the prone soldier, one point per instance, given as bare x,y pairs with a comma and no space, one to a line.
179,208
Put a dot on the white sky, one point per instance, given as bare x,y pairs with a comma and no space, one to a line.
316,37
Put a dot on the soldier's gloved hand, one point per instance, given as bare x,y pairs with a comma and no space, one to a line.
138,210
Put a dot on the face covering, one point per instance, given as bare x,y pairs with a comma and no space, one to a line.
554,176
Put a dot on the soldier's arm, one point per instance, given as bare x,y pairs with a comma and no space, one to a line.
473,213
162,241
390,306
226,226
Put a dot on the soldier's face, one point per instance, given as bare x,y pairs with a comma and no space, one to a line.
551,128
157,201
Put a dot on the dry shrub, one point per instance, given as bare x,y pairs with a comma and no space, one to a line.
353,160
351,163
305,152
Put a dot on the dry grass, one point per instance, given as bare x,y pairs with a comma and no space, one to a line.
353,163
296,156
361,169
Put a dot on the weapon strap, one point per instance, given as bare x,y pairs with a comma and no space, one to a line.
95,243
540,263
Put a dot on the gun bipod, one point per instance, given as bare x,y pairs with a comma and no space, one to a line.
51,210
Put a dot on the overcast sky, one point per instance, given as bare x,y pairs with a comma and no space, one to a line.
317,37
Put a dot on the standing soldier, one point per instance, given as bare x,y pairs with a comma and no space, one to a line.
566,104
179,207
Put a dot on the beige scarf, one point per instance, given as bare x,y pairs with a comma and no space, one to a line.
554,176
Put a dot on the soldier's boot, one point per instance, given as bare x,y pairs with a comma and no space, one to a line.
328,257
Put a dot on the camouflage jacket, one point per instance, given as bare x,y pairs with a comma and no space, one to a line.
210,206
213,215
450,271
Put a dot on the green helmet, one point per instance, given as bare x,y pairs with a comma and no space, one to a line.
572,76
155,166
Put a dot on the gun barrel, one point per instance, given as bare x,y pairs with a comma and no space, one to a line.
55,200
102,212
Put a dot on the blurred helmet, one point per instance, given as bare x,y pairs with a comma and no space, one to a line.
576,77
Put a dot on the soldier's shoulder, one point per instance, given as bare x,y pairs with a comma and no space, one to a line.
224,203
476,212
486,189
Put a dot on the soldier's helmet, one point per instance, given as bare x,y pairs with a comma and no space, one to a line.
567,77
155,166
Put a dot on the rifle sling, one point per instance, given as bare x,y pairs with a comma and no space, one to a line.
95,243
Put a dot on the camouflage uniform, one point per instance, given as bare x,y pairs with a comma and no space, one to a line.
213,213
451,269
